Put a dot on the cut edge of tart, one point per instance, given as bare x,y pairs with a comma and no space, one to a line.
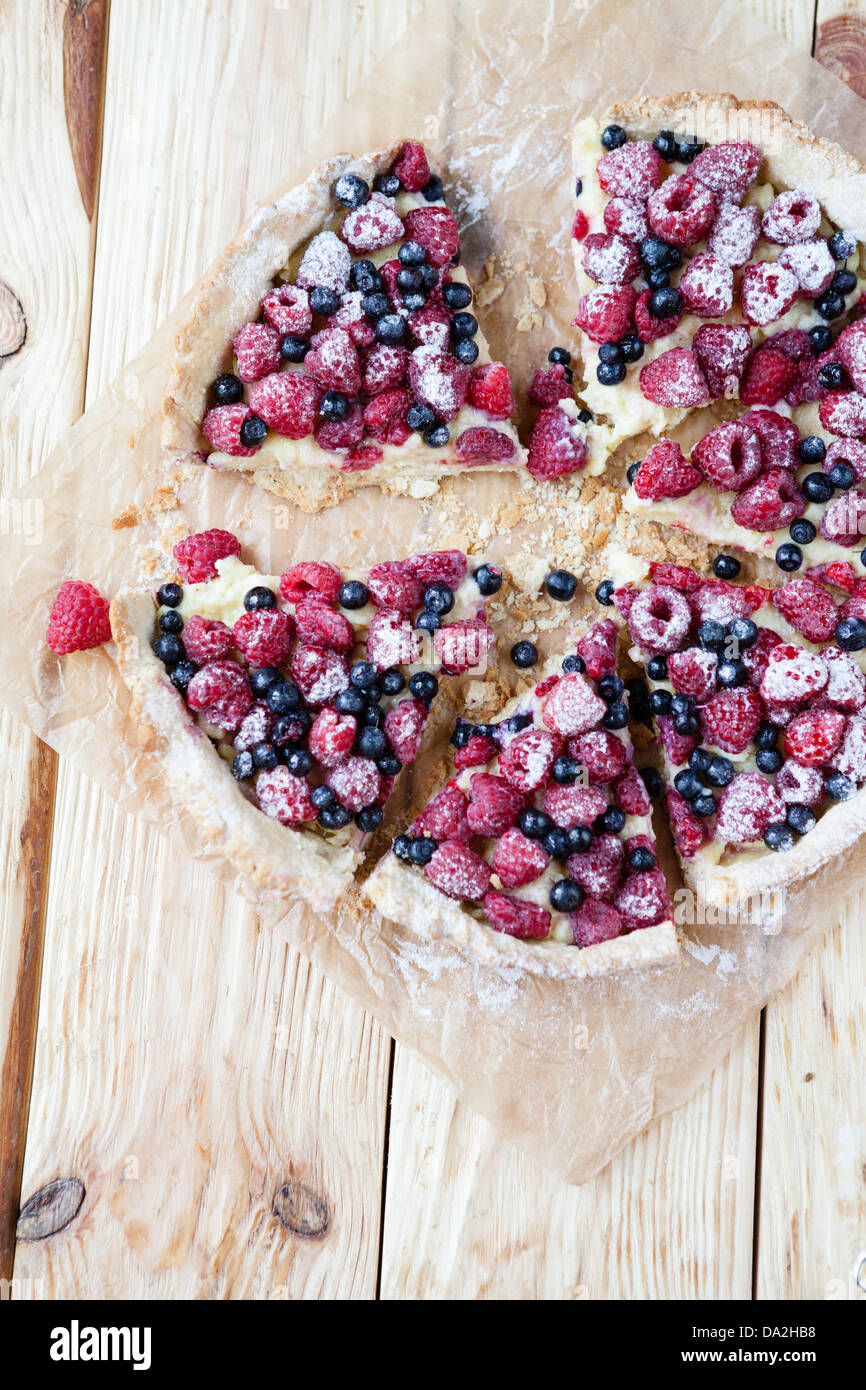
405,895
359,448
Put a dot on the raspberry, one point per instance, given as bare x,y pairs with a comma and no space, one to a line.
490,390
571,806
438,380
850,451
372,226
527,760
854,607
642,900
264,636
333,362
332,736
812,264
436,230
461,646
516,917
610,259
221,428
746,808
768,376
677,746
693,672
549,386
605,314
631,795
481,445
688,830
665,473
556,446
319,626
432,326
285,798
287,309
351,316
598,649
357,783
840,573
257,350
735,234
707,286
287,402
494,804
439,567
729,456
792,216
478,751
580,226
770,503
794,342
326,263
335,435
412,168
802,785
627,218
650,328
445,817
813,736
599,870
808,608
78,619
659,619
384,368
731,718
320,673
458,872
728,168
722,350
850,350
632,171
391,640
363,457
677,576
842,412
197,555
404,725
601,753
518,860
674,378
572,707
595,922
767,292
206,639
682,210
255,727
221,693
719,602
393,585
850,757
778,435
792,673
846,686
385,417
806,385
844,519
316,575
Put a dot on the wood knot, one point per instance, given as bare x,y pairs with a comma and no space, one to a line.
840,45
302,1211
13,325
85,32
50,1209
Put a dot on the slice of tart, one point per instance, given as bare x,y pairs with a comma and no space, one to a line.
284,706
333,343
719,248
539,851
759,700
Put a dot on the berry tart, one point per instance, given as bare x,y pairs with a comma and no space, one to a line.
539,851
719,251
333,344
286,705
759,700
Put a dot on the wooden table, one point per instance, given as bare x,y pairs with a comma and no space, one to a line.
221,1123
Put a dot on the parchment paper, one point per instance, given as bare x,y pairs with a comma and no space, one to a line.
569,1072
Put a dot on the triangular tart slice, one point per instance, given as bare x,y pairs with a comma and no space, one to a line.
719,251
539,851
284,706
333,344
759,700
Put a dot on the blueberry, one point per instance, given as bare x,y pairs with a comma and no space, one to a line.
432,191
850,634
658,279
842,476
720,772
393,681
363,674
253,431
830,304
769,760
299,762
641,859
457,295
353,594
632,472
652,780
376,304
578,187
437,437
350,701
412,253
658,254
664,304
838,786
610,352
565,895
579,838
687,150
421,851
632,347
841,246
731,674
843,282
289,729
439,598
293,347
779,837
323,796
556,843
610,688
462,733
610,373
464,325
466,350
561,584
604,593
428,622
334,406
169,595
351,191
388,184
259,597
802,531
711,636
726,567
488,578
324,301
573,663
421,418
617,715
682,704
585,416
514,725
369,819
699,760
612,821
811,449
832,376
373,717
170,621
767,736
265,756
704,804
660,701
560,356
688,784
181,674
533,823
424,686
565,771
665,145
262,678
228,389
800,818
613,136
169,649
334,817
243,766
390,328
816,487
744,633
822,338
789,557
413,302
409,279
402,846
524,654
657,668
389,764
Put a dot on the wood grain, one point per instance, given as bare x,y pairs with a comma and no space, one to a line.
85,36
840,42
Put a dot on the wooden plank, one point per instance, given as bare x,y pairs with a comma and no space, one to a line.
840,41
44,316
190,1072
